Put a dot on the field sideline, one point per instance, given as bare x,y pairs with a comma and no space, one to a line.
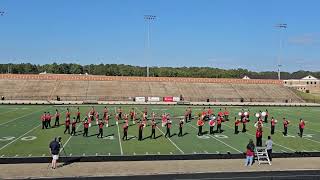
21,134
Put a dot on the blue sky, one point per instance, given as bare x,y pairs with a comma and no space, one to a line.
215,33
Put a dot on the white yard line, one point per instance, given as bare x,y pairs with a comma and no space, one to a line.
19,137
9,111
295,136
23,116
311,140
121,150
312,130
220,141
174,144
120,140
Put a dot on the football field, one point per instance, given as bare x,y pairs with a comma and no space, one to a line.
21,134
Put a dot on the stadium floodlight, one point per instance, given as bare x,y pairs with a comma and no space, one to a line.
280,27
1,13
149,19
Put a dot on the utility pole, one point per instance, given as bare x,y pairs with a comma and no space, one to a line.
149,19
280,27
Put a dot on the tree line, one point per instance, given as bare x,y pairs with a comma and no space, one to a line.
129,70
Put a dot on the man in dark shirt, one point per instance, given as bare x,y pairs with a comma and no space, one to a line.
54,148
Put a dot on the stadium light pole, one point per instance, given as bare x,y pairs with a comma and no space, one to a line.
1,14
280,27
149,19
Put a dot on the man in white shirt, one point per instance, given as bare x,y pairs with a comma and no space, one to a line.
269,143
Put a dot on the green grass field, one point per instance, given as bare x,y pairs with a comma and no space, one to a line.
21,134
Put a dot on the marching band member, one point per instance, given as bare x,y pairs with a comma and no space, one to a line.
133,116
236,125
144,119
219,123
258,123
97,117
153,116
258,115
164,120
273,124
168,116
248,115
85,128
48,118
242,115
210,112
119,113
57,121
190,113
226,114
266,116
259,136
92,112
105,112
186,114
168,125
89,121
153,129
200,123
126,119
204,113
67,113
301,127
100,124
106,119
285,126
73,127
180,128
67,125
91,115
78,115
125,131
220,113
212,123
43,120
145,110
140,130
244,122
117,119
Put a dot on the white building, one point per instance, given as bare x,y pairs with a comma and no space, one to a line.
308,84
245,77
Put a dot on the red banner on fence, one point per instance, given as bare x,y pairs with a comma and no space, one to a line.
168,99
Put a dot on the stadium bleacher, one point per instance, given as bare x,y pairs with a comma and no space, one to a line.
106,88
